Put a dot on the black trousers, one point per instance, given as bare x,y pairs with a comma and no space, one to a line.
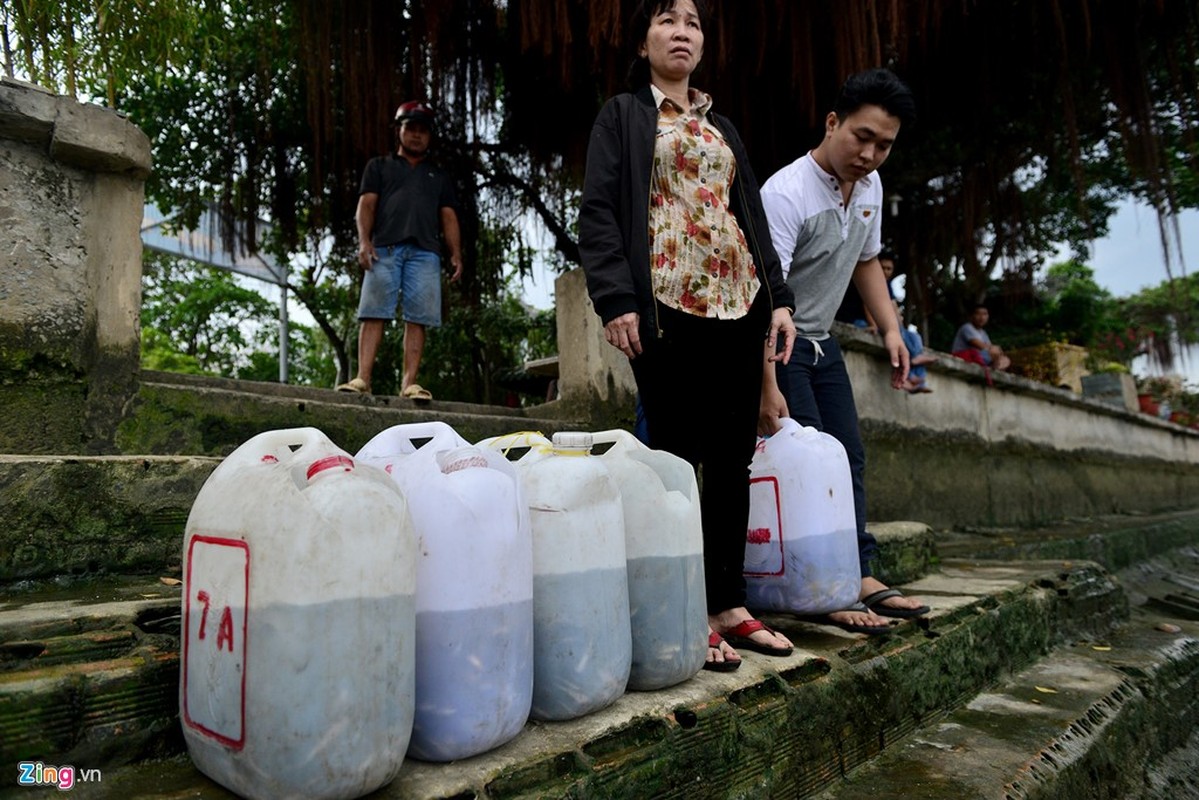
701,388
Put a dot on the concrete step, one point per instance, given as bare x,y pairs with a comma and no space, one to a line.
1112,718
91,640
776,727
175,414
78,517
90,674
1116,541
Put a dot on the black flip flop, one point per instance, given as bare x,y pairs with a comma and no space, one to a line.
826,619
875,604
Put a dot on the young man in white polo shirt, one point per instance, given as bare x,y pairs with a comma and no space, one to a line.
825,215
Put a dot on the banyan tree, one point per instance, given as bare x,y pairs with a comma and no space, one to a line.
1034,115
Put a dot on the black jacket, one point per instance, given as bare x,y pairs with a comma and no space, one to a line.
614,214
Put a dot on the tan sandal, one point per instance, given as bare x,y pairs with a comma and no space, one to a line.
357,386
417,392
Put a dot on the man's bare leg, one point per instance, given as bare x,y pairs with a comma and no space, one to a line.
414,347
370,336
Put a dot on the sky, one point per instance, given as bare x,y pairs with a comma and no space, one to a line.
1130,258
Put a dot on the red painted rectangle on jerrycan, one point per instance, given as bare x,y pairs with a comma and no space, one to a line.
215,622
764,538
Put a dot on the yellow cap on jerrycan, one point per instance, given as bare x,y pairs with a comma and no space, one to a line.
582,645
299,575
474,588
664,544
801,551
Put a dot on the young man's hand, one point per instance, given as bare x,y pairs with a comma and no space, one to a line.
773,408
900,359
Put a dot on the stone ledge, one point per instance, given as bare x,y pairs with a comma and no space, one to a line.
78,516
1112,717
80,135
776,727
907,550
216,417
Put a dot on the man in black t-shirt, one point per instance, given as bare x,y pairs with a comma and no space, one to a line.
404,205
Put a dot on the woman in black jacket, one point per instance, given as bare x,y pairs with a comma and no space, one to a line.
681,269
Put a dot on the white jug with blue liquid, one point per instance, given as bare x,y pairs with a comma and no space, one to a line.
299,586
664,544
582,645
474,588
801,551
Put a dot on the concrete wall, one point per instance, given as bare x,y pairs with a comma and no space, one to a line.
1013,452
71,198
595,380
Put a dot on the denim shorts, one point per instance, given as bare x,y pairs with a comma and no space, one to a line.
408,272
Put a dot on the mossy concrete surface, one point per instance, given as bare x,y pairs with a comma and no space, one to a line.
175,414
1116,541
70,517
907,551
71,175
90,675
950,479
778,727
1110,717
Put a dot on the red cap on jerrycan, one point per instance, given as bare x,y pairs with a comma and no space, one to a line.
323,465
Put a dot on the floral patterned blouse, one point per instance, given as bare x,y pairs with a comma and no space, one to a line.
699,259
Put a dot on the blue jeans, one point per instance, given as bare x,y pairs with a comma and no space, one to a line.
915,346
819,395
403,270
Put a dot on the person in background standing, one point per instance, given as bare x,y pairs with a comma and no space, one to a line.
404,202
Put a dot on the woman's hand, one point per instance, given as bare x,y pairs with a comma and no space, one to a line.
781,322
623,334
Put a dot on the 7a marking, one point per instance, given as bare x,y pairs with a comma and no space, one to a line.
224,634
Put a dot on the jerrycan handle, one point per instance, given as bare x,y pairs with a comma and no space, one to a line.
534,440
440,435
283,445
618,438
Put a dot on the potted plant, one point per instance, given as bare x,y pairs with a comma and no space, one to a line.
1164,394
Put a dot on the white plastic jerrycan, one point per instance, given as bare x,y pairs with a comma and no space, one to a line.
474,588
298,622
664,544
801,551
582,648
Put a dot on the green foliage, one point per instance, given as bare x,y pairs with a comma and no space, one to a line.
1078,307
1166,316
310,360
158,352
199,313
94,48
476,353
